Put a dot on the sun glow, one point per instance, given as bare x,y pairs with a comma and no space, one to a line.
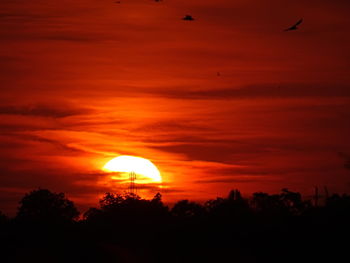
143,168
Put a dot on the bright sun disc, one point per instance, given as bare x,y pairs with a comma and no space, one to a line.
138,165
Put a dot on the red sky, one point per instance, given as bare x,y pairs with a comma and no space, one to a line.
85,81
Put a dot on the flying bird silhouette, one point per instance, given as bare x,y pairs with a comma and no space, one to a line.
295,26
188,18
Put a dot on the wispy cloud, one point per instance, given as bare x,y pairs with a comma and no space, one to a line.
54,111
297,90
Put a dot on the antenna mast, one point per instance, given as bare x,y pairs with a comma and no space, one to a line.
132,186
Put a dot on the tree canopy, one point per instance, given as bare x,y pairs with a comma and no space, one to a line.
42,205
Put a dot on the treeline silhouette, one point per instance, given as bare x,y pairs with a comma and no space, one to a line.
127,228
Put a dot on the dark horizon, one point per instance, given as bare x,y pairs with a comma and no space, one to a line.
319,197
129,229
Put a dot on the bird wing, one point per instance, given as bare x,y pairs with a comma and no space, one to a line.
299,22
290,28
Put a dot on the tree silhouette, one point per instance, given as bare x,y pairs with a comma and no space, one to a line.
110,201
338,205
45,206
266,229
227,208
157,206
128,207
3,219
187,209
286,203
293,202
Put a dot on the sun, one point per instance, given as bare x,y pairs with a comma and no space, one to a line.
143,168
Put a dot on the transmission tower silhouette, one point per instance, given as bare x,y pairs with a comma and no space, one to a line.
132,186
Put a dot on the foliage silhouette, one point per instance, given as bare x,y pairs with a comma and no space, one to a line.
128,228
127,207
3,219
285,204
187,209
42,205
338,206
234,206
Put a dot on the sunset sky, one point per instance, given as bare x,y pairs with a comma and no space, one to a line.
83,82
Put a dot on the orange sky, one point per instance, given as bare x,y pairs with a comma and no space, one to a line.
85,81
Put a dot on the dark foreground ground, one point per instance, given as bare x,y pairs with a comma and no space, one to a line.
230,229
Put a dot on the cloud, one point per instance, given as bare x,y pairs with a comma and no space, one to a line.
240,179
23,17
258,91
74,37
64,149
57,111
205,152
